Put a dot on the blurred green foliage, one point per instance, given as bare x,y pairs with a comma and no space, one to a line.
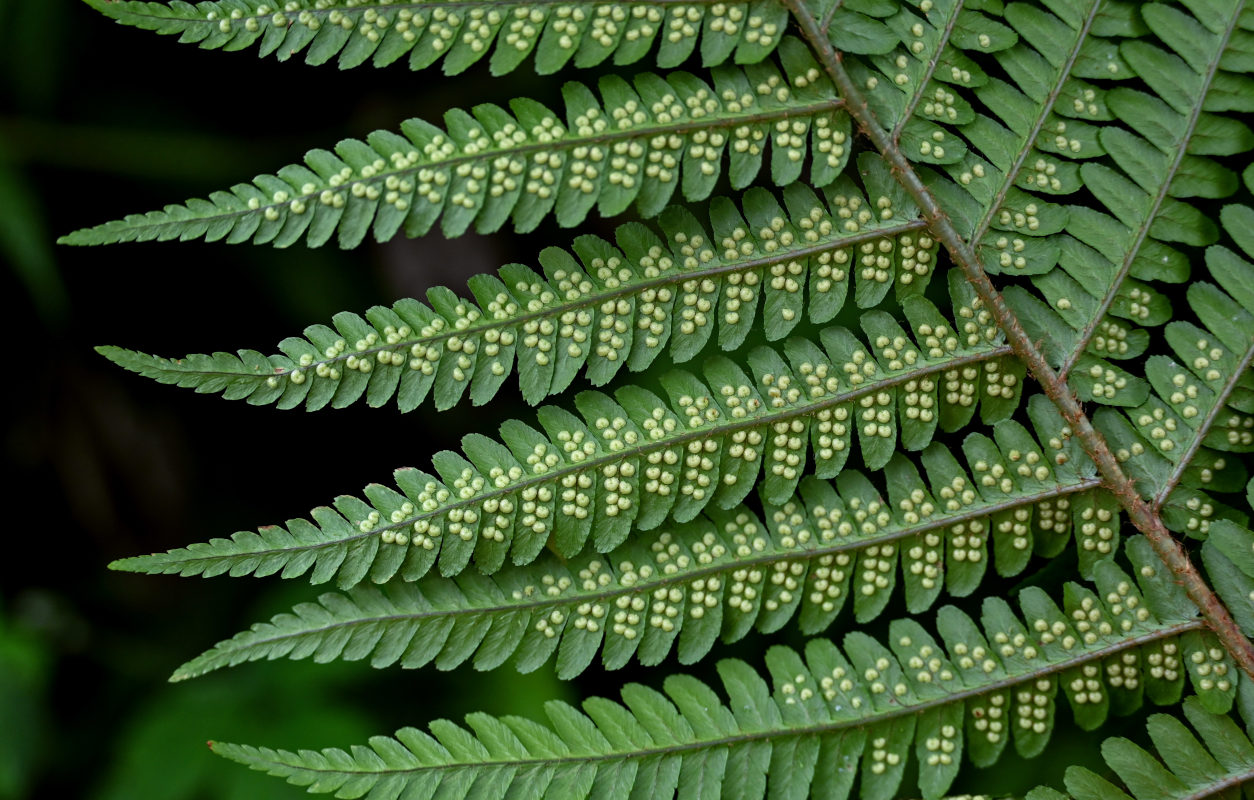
23,684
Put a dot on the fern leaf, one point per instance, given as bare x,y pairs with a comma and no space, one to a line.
602,308
1034,144
1104,292
999,195
638,143
1027,152
1186,767
1228,554
1212,367
913,70
724,574
915,89
1187,433
919,699
1082,152
461,32
635,459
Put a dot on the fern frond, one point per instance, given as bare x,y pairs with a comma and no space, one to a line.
999,194
638,143
1218,356
926,91
1041,126
1185,769
914,97
637,459
1228,554
724,574
1038,141
461,32
1186,434
1103,294
1215,366
602,308
1081,152
819,718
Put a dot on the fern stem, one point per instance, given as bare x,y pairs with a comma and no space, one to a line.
1140,512
1134,247
1219,787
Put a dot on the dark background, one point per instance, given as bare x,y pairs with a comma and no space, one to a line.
97,121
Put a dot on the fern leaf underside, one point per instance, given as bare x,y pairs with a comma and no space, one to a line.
1084,153
812,713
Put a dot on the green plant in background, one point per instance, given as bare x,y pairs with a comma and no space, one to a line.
23,675
862,386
